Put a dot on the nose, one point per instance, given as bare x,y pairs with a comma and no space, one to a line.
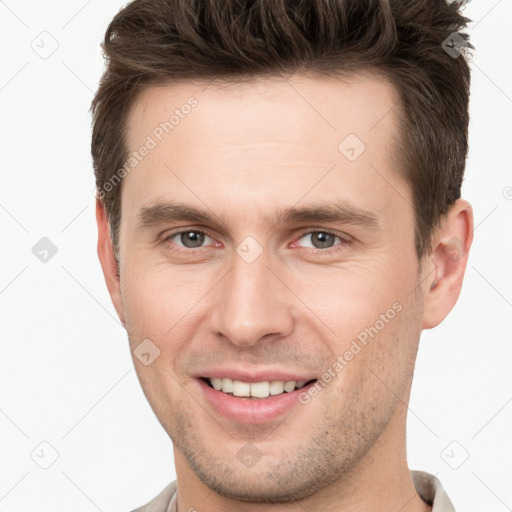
250,302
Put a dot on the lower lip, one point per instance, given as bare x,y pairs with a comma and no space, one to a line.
252,411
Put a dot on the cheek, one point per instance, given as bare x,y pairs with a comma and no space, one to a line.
393,343
155,296
349,301
167,306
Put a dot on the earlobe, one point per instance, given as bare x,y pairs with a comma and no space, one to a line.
450,249
107,260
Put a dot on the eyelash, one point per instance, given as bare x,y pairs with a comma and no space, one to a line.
344,241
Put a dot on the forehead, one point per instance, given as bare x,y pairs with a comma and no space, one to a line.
274,137
295,108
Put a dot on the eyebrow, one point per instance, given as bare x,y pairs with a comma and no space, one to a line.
343,213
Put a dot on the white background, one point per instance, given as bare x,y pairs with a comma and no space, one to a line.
66,374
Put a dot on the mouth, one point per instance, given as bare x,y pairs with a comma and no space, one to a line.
254,390
254,403
249,395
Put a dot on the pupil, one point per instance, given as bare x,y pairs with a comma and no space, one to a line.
323,239
192,239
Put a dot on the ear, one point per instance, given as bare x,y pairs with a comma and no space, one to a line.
446,265
108,260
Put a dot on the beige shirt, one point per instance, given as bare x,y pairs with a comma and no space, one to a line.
427,486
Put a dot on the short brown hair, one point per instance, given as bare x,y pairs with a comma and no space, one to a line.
152,42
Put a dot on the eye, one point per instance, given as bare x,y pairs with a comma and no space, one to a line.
189,239
321,240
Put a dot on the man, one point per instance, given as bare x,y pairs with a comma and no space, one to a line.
279,218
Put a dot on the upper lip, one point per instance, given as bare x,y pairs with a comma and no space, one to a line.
250,376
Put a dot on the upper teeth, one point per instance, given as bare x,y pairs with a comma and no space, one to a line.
256,389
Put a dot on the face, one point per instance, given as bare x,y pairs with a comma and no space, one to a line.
268,236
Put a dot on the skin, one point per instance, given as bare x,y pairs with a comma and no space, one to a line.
245,152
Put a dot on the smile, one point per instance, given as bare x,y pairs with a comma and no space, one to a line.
262,389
